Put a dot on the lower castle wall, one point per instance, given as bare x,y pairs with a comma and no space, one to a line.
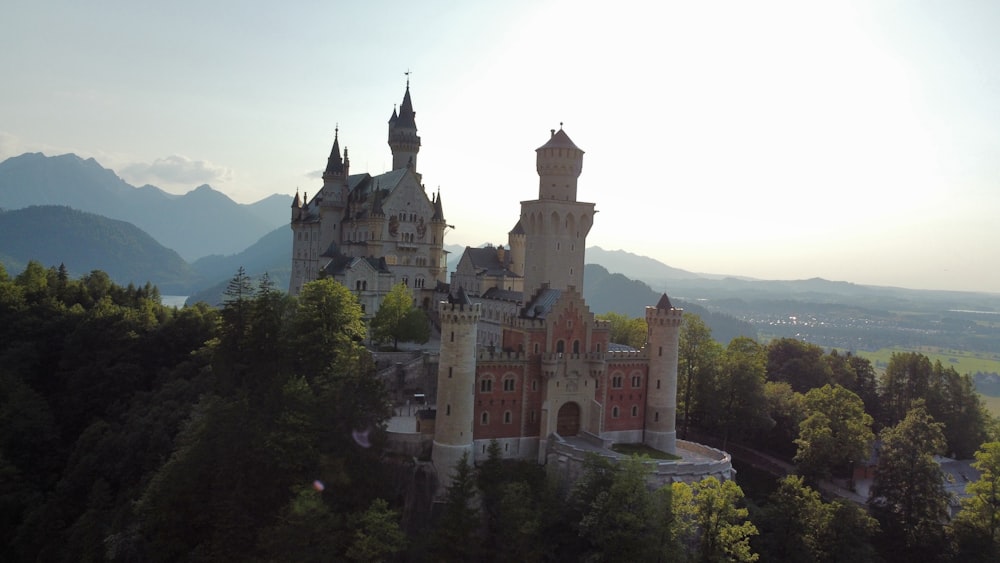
565,462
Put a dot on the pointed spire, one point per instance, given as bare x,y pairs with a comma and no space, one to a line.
334,164
296,203
407,117
438,209
664,303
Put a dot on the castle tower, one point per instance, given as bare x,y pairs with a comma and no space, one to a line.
515,238
456,379
664,323
556,225
333,195
438,258
403,139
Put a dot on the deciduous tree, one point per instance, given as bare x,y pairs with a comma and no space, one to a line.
977,525
836,432
908,495
397,318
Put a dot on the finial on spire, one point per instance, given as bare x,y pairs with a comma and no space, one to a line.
560,125
336,130
407,73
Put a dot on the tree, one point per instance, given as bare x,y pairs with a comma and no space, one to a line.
397,318
377,536
455,533
626,330
799,363
798,526
740,401
792,522
950,398
709,524
977,525
628,522
698,358
908,495
836,433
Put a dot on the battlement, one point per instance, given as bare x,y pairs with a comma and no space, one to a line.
664,317
626,355
459,313
486,356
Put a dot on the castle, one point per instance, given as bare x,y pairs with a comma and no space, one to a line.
372,232
523,360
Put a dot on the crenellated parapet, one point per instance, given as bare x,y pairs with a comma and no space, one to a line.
459,313
664,317
486,356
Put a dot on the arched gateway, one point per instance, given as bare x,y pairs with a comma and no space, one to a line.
568,420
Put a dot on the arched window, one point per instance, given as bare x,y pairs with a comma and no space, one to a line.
614,412
508,384
576,346
507,417
635,410
485,418
616,382
560,347
485,386
636,381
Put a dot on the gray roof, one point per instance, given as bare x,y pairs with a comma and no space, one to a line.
541,303
485,261
497,294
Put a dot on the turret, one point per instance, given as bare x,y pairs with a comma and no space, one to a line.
559,163
515,238
403,139
556,225
296,207
664,322
453,422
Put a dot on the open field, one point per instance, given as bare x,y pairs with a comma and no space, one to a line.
963,362
992,404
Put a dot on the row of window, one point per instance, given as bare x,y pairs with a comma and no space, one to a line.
616,412
508,417
616,381
509,384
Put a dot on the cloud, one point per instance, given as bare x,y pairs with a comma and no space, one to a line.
176,169
315,174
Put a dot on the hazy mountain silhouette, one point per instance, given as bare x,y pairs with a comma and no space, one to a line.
198,223
84,242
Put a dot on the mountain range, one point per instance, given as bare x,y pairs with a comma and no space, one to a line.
196,243
199,223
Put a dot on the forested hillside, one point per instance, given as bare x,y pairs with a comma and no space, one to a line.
82,242
198,223
130,431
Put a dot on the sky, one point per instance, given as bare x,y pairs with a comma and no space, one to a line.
853,141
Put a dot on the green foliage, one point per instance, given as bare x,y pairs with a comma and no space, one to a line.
798,526
627,521
740,405
908,495
949,397
977,526
455,535
710,524
698,362
397,318
798,363
377,536
836,433
626,330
